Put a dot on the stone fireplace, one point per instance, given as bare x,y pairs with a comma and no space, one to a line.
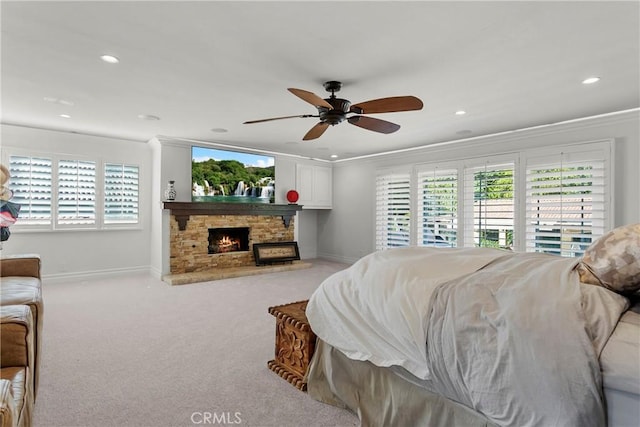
218,237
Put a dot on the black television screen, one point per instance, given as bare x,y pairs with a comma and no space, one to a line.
231,176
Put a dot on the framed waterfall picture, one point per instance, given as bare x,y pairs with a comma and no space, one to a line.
231,176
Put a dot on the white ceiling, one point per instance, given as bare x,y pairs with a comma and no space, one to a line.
207,64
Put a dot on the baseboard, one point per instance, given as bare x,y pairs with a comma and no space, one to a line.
336,258
96,274
155,273
99,274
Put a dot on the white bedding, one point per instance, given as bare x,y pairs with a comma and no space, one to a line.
375,310
513,336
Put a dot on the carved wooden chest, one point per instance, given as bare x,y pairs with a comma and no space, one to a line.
295,343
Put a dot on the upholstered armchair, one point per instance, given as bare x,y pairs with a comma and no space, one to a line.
21,318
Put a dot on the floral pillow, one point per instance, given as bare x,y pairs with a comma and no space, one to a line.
613,261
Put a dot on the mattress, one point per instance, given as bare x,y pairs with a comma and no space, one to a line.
620,363
620,359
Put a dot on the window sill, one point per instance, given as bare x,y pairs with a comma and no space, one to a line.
15,230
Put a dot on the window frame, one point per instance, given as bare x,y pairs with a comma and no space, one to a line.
45,224
520,160
123,224
586,151
475,164
54,224
55,195
434,168
382,243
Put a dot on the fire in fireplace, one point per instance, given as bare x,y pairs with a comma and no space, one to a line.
223,240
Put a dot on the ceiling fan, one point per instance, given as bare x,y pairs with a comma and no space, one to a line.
333,111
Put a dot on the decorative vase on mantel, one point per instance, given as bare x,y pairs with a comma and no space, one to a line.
292,196
170,192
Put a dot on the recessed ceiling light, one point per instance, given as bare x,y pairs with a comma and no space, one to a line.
460,113
219,130
148,117
110,59
590,80
334,156
65,116
59,101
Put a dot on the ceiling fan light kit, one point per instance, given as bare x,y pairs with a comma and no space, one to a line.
334,110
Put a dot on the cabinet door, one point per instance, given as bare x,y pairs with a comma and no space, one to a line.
304,184
313,184
322,191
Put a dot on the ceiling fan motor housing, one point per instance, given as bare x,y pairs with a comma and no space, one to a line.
337,114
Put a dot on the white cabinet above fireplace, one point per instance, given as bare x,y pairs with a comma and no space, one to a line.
314,186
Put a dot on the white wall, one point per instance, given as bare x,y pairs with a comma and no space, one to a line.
158,248
67,253
346,233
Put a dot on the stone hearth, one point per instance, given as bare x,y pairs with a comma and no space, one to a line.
228,273
189,257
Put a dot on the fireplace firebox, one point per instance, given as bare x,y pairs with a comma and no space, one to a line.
224,240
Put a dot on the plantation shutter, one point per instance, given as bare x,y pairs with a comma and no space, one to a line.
393,206
437,207
120,194
76,192
566,207
31,183
489,205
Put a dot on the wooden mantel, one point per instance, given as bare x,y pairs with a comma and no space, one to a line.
183,210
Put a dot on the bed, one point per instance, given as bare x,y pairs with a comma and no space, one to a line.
482,337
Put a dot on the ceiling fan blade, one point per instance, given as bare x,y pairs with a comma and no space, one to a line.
375,125
277,118
316,131
388,105
310,97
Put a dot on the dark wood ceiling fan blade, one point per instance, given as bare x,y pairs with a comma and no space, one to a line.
388,105
375,125
277,118
310,97
316,131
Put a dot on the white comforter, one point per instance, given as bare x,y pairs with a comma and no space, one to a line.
513,336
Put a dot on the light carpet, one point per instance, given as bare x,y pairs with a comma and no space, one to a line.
134,351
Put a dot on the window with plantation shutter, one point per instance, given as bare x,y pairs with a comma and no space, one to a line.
489,205
393,207
437,198
58,192
120,194
31,183
76,192
566,203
